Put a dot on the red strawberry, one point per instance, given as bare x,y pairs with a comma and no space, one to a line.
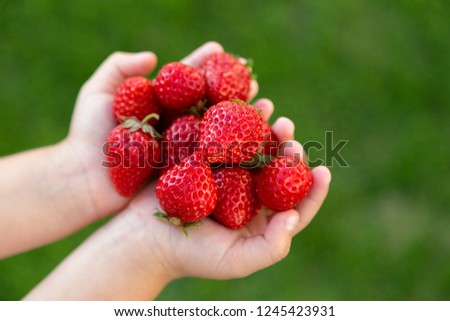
131,155
271,141
179,86
231,132
180,140
135,97
283,183
226,78
187,192
236,197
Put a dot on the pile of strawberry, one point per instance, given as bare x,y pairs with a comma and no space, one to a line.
216,156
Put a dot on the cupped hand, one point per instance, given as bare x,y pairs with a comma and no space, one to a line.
93,120
135,254
214,251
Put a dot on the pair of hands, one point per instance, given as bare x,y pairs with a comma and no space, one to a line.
134,242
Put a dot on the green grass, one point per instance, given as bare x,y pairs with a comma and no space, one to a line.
373,72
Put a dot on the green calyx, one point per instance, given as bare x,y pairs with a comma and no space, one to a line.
249,63
134,124
198,110
258,161
177,222
238,101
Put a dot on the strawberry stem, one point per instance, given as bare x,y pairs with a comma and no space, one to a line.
175,221
150,116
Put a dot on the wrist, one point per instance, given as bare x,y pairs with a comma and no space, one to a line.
115,263
84,165
140,232
67,184
143,269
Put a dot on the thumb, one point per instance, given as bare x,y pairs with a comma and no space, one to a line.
265,250
116,68
279,233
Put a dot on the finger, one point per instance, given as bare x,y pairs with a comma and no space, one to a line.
266,107
198,55
116,68
311,204
264,250
253,91
294,149
243,60
254,87
284,129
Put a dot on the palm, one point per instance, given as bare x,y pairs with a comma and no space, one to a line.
208,251
214,251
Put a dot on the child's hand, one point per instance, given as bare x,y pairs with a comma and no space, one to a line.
135,255
93,120
214,251
54,191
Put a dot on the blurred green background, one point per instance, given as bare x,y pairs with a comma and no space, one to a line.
373,72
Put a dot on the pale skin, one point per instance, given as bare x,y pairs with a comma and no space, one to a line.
49,193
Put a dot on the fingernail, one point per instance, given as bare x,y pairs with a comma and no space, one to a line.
290,223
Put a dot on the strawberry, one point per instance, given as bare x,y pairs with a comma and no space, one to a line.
236,197
231,132
283,183
187,192
180,140
271,141
226,78
135,97
131,154
179,86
